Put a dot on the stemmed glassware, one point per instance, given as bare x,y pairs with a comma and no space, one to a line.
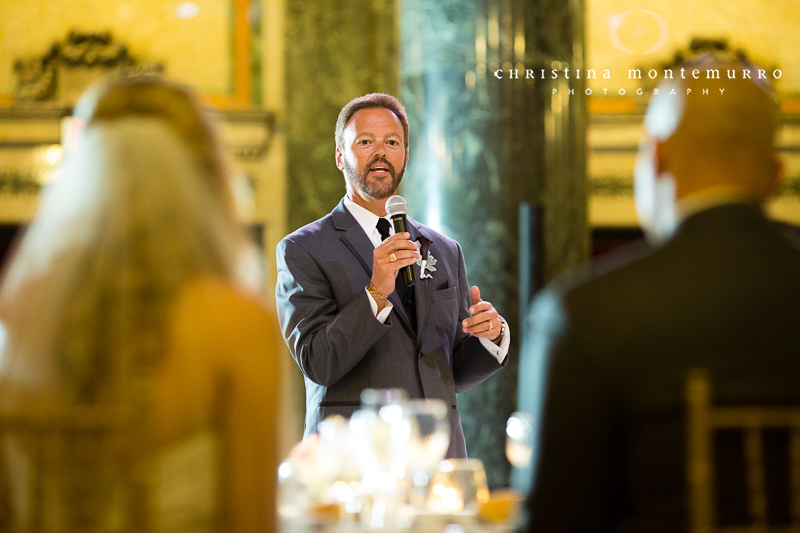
458,486
426,447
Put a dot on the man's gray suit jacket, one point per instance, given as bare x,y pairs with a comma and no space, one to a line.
332,333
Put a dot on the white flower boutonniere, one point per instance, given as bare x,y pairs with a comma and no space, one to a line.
426,260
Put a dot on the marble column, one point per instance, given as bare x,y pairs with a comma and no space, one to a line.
336,50
481,145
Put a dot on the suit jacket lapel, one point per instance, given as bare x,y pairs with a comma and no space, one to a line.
361,246
422,288
353,236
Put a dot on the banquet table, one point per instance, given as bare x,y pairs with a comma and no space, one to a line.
422,524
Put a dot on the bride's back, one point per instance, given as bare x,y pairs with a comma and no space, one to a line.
121,308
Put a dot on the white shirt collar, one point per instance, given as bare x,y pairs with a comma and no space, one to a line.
367,220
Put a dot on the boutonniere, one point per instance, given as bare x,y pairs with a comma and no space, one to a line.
426,260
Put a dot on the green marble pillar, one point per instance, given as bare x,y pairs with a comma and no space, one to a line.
481,145
336,50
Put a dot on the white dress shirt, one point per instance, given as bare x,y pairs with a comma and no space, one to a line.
369,222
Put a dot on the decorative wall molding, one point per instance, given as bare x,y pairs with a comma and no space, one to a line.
623,186
610,186
16,183
250,132
30,144
790,187
34,114
42,79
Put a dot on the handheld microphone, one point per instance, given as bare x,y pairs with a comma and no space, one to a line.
397,208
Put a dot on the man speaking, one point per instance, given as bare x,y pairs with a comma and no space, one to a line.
349,320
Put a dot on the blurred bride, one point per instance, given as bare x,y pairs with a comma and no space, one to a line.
138,377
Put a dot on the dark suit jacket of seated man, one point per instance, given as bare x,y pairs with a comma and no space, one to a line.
608,348
328,317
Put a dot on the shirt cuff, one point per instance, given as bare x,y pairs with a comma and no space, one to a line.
499,352
384,314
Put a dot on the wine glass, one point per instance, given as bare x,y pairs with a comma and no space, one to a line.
430,434
458,487
383,425
427,446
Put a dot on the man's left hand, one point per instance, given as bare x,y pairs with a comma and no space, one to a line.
485,321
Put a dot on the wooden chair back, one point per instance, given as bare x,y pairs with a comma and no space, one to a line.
38,447
703,420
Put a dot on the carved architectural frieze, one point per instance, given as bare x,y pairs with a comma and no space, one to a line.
68,66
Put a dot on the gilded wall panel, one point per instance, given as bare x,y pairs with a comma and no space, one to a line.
620,35
194,49
766,29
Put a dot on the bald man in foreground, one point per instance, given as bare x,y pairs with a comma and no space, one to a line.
608,349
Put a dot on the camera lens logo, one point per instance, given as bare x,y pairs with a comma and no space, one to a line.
638,31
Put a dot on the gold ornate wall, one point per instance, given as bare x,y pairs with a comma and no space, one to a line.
215,46
198,50
767,29
619,32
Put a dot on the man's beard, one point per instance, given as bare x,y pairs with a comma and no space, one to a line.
378,189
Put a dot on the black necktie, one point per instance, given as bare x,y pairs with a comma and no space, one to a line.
406,294
383,228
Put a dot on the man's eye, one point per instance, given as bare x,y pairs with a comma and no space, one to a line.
393,143
363,142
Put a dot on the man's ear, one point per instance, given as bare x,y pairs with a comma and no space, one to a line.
339,159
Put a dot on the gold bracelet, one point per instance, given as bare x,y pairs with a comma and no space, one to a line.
372,289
